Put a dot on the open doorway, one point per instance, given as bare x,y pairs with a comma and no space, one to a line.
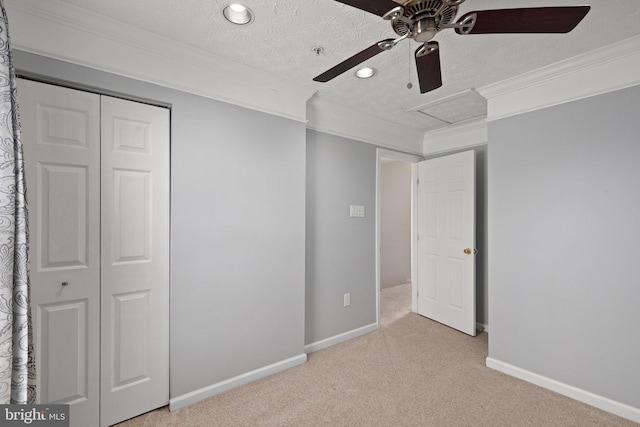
394,238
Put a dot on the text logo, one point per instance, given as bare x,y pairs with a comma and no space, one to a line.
35,415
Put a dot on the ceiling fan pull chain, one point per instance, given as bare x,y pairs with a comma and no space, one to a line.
410,85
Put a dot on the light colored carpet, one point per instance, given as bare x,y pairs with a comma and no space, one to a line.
410,372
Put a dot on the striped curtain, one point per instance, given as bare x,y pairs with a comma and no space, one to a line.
17,367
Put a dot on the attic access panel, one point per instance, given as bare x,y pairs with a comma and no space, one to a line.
460,107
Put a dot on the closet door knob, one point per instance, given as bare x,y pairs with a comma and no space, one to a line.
470,251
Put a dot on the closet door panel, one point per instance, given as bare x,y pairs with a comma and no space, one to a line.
135,262
132,226
63,219
66,366
61,137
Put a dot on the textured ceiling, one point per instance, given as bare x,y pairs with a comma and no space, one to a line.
281,40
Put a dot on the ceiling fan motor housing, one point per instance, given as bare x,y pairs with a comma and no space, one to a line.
422,18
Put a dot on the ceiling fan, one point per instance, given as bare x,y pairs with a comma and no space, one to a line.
421,20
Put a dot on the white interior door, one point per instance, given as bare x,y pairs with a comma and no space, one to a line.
446,240
135,259
61,136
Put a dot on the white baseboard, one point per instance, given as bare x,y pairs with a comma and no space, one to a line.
328,342
210,391
600,402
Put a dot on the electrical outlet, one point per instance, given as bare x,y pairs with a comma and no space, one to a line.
347,300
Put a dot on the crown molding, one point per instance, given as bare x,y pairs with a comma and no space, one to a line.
63,31
599,71
470,134
335,119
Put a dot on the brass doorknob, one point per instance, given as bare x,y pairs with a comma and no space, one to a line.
470,251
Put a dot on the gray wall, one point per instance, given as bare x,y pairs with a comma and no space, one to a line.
564,206
340,251
238,229
395,223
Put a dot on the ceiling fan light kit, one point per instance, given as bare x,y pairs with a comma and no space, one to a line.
421,20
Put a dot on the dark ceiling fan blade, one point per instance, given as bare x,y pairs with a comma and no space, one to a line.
560,19
429,74
348,64
377,7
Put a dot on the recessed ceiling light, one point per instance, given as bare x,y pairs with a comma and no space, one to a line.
366,73
238,14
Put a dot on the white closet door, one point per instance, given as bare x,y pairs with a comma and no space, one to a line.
60,133
135,259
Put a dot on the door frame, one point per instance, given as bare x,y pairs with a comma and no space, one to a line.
382,153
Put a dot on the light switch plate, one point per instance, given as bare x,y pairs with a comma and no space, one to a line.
356,211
